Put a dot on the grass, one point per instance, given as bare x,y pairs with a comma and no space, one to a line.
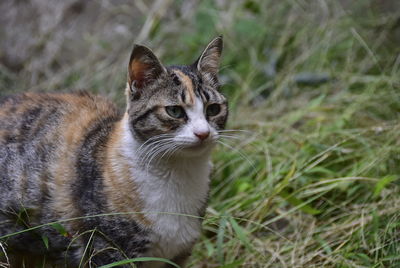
320,97
314,181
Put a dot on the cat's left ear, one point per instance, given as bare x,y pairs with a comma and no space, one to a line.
209,60
144,67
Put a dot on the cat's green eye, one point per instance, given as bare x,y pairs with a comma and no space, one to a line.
213,109
175,111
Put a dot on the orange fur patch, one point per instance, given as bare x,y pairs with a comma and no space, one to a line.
82,112
3,134
74,127
120,189
187,82
138,72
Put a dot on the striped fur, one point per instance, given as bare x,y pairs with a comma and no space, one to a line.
75,156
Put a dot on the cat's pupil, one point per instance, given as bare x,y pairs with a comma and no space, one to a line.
213,109
175,111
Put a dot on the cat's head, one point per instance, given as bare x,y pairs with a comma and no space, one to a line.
179,108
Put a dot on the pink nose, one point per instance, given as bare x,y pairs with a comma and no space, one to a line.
202,135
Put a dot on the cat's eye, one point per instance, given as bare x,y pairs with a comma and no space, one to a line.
213,109
175,111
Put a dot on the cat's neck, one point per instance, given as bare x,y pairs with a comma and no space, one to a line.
170,194
174,185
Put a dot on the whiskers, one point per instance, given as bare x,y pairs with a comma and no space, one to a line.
157,148
164,146
153,147
236,135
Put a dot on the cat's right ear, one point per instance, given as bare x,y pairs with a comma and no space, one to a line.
144,67
209,60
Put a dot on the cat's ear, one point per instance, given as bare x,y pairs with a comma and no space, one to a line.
144,67
209,60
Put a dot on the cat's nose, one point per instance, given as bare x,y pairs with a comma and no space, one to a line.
202,135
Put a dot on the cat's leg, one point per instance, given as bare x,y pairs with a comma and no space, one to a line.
181,260
102,254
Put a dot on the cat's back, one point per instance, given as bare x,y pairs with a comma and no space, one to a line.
25,117
36,128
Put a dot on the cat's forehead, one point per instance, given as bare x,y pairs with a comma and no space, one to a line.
193,85
189,82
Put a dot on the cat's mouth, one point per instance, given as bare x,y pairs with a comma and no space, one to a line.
198,145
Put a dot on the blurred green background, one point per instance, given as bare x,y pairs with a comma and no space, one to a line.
313,180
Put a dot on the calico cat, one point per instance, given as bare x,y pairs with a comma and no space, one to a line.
74,156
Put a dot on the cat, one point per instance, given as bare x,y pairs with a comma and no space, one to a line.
135,184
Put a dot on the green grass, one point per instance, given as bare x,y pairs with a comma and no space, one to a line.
315,179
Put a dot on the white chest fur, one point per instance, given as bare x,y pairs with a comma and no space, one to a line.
172,199
172,196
